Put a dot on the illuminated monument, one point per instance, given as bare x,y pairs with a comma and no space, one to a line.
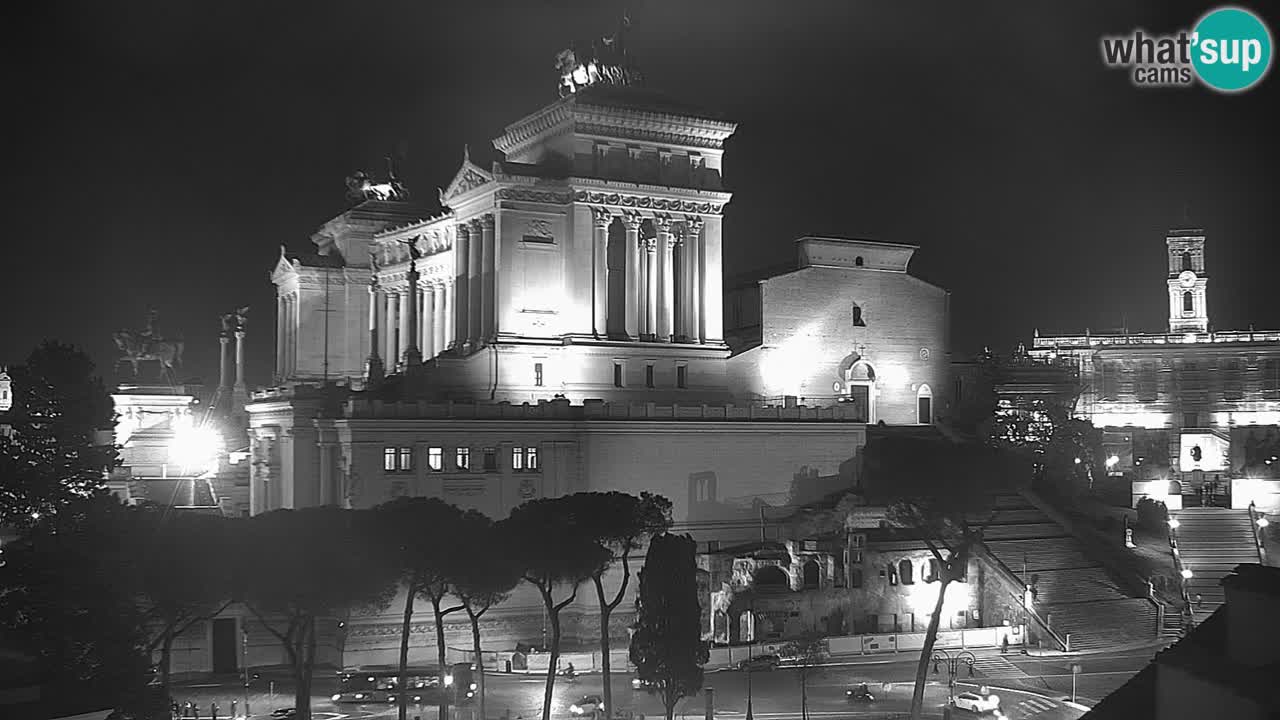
1185,409
557,324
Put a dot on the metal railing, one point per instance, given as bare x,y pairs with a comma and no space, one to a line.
1258,539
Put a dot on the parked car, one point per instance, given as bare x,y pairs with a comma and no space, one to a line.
647,685
973,702
760,662
859,693
588,705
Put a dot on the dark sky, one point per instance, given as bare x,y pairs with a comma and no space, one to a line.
162,151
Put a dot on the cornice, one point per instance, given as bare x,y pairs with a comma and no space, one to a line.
669,191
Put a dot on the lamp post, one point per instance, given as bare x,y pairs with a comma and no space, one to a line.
751,639
953,663
244,662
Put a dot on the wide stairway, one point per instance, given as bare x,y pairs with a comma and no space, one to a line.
1212,542
1073,591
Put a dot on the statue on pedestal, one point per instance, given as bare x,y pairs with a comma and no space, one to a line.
148,344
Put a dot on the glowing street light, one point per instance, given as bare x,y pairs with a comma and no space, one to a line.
1186,573
1174,524
195,449
1112,461
1263,522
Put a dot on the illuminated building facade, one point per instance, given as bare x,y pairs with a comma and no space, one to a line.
557,325
1185,409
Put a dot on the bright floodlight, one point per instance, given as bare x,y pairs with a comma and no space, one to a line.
194,449
1077,461
1173,523
1186,573
1113,461
1263,522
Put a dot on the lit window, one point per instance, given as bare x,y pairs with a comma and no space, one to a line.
406,459
463,458
537,374
389,459
617,374
682,376
648,376
517,459
531,459
435,459
490,459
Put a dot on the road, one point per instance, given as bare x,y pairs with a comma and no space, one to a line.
1029,688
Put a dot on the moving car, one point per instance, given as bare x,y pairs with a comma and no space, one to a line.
638,684
859,693
760,662
973,702
588,705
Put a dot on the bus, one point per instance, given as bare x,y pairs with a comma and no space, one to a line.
425,685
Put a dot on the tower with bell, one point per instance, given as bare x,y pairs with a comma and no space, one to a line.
1188,303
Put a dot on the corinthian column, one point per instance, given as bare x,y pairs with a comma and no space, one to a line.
666,279
393,303
488,277
429,346
475,285
373,367
692,257
412,354
635,288
650,328
461,287
600,271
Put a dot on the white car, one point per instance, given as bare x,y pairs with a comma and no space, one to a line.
973,702
588,705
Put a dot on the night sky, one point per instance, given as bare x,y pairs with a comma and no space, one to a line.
161,152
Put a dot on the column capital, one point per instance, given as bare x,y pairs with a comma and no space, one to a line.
650,245
487,221
692,224
474,224
601,217
632,219
662,223
462,229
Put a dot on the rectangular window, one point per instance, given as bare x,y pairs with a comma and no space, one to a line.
389,459
435,459
682,376
406,459
490,459
537,374
617,374
531,459
463,458
517,459
648,376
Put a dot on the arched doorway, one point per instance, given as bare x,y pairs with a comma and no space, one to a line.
812,575
860,384
924,405
1175,487
771,577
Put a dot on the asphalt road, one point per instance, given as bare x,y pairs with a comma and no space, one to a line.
1029,688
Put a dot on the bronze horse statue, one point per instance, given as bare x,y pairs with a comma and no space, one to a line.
137,347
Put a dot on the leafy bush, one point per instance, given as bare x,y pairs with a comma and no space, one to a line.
1152,515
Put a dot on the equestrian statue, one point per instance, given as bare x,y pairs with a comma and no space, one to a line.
148,344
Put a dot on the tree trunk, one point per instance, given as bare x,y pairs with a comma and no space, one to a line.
475,646
303,659
553,616
403,683
440,654
804,693
669,700
930,637
166,657
605,611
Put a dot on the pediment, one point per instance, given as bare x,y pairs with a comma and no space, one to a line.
284,268
469,177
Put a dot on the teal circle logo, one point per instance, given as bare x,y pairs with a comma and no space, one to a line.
1231,49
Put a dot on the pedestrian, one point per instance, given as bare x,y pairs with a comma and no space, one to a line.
213,710
1004,645
174,711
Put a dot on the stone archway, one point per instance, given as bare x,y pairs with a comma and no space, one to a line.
771,577
812,575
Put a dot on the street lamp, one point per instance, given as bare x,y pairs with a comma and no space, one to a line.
1186,573
953,663
1174,524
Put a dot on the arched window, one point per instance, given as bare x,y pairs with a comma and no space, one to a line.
935,571
812,575
1186,260
857,262
1175,487
1188,302
905,572
857,316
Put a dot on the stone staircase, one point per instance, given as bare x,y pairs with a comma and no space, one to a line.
1211,543
1073,591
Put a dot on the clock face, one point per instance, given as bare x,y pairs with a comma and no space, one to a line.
1187,278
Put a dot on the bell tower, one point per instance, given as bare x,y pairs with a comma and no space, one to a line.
1188,304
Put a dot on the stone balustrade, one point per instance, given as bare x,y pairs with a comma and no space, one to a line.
595,410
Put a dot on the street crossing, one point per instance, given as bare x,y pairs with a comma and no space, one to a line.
1034,706
997,666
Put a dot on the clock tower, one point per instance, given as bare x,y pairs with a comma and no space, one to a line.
1188,304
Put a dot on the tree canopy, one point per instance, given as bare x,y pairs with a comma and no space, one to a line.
667,647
